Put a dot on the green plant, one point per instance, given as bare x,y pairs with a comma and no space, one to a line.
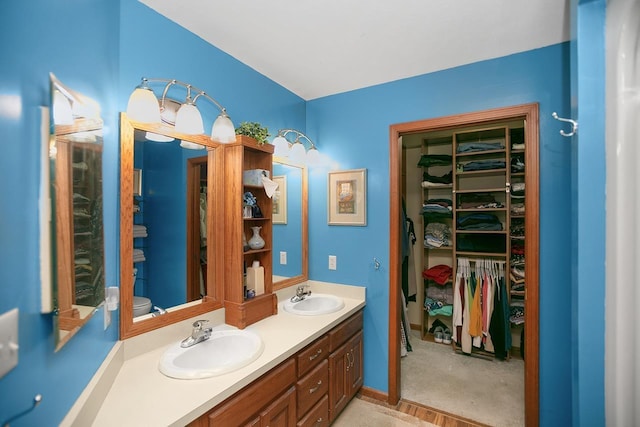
254,130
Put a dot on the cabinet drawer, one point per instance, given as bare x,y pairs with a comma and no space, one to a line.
341,333
312,355
318,416
243,406
312,387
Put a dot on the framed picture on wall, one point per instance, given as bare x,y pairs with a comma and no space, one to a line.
347,194
137,182
279,214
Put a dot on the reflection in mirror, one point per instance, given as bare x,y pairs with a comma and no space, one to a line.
76,184
170,227
290,244
161,199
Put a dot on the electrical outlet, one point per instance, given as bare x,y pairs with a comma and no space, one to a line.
333,262
283,257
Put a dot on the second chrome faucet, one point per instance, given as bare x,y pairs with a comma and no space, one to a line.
300,293
198,334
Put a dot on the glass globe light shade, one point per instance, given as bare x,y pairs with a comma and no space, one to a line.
280,146
313,157
189,120
143,106
297,153
158,137
223,130
191,145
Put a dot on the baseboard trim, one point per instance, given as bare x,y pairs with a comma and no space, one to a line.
374,394
414,326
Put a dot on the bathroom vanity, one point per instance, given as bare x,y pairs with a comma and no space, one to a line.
308,389
299,352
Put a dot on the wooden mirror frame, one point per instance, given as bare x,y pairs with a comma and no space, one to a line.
215,231
304,223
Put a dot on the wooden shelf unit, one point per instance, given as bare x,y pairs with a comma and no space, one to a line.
246,154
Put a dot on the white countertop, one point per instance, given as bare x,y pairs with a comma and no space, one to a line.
141,395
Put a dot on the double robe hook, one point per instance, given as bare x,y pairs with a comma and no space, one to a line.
574,125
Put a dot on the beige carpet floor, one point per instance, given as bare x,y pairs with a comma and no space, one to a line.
487,391
364,414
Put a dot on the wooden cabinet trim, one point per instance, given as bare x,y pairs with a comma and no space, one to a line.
318,416
341,333
240,407
312,387
312,355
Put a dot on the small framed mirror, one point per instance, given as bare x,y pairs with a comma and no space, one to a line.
171,226
77,246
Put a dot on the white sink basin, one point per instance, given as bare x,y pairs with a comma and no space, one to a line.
314,304
226,351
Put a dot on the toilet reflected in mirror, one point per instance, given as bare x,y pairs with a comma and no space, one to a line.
141,306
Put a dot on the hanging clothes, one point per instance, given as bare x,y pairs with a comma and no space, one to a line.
409,286
480,312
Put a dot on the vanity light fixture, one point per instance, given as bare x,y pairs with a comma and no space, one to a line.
144,106
296,151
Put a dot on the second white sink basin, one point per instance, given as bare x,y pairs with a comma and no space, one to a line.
314,304
225,351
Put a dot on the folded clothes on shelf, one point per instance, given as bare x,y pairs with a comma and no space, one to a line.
440,273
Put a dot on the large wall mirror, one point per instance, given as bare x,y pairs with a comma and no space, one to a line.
77,246
290,230
171,226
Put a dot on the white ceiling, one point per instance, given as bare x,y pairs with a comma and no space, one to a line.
316,48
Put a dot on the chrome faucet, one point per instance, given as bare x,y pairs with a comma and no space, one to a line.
158,311
198,334
300,293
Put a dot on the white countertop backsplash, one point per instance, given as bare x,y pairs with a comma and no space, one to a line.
129,390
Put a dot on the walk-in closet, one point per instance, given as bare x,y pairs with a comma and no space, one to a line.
464,283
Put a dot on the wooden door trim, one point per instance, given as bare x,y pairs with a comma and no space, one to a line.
530,114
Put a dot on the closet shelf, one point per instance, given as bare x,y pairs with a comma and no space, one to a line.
481,231
481,254
482,210
482,190
441,248
481,153
483,172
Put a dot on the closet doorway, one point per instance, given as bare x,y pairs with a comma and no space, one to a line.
529,117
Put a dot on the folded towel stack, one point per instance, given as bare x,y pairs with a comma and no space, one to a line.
139,231
138,255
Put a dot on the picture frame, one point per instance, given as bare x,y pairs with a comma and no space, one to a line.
279,213
347,197
137,182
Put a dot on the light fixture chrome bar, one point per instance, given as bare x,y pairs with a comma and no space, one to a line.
144,106
171,82
283,133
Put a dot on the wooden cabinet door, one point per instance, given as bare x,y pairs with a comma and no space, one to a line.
338,382
355,374
281,412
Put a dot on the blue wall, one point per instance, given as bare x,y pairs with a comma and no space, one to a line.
78,40
588,211
353,129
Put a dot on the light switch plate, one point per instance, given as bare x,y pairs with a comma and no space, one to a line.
283,257
8,341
